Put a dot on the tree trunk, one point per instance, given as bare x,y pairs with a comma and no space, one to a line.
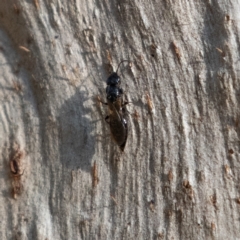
63,176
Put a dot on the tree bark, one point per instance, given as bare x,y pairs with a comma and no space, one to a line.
63,176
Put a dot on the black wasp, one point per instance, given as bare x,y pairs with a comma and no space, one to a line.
117,113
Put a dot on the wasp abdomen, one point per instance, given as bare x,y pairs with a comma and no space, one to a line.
119,133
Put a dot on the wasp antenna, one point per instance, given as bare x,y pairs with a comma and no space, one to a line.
121,63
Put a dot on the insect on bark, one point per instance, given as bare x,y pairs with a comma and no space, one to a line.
117,113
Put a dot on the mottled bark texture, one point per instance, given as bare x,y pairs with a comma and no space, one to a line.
63,177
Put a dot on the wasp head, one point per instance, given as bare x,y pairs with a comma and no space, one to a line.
114,80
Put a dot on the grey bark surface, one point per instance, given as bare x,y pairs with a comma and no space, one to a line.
178,177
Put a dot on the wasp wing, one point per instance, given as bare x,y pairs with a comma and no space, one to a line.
118,123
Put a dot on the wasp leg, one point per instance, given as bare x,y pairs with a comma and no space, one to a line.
103,102
125,103
107,119
99,100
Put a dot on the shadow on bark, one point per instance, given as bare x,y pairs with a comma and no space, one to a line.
77,145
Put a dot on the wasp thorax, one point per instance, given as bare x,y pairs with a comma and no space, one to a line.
113,93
